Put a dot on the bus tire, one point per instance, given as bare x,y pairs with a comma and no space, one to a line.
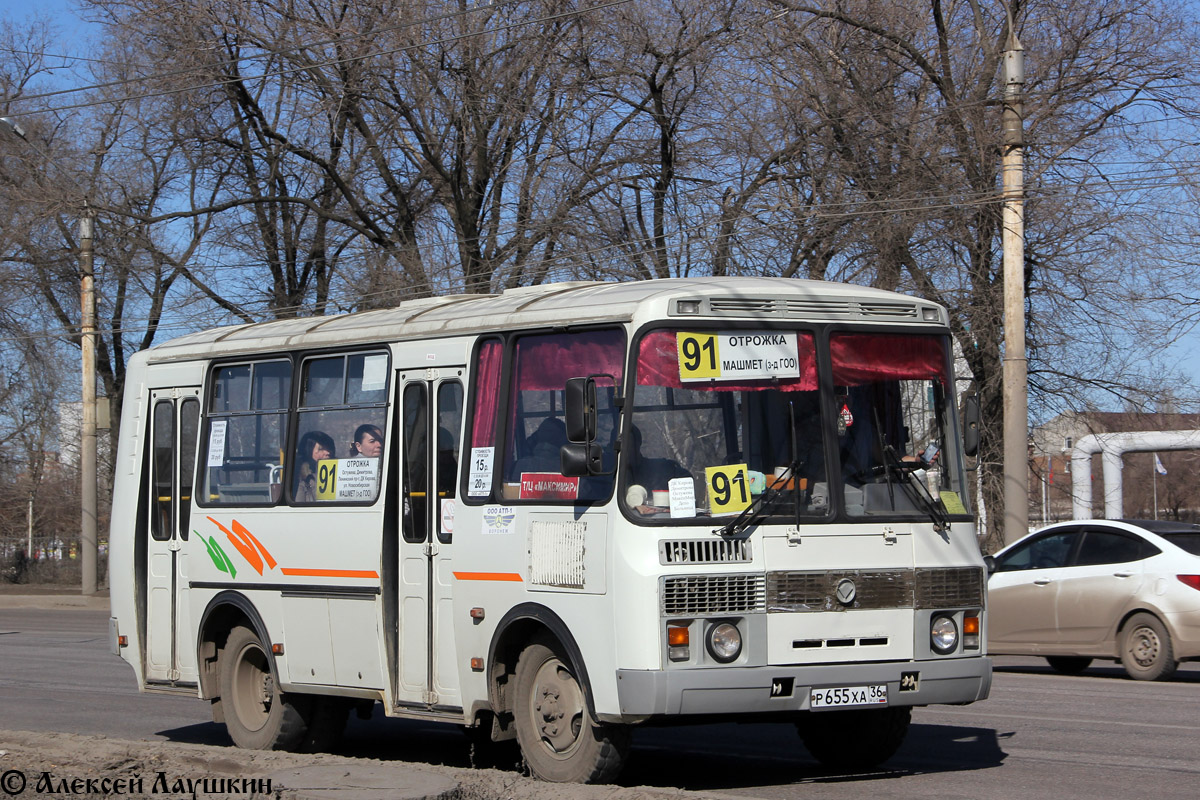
559,739
1146,651
854,740
326,724
1068,665
257,715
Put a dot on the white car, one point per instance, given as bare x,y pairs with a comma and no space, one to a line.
1075,591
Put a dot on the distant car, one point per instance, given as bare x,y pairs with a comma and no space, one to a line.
1075,591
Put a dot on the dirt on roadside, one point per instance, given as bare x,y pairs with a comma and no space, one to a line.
37,765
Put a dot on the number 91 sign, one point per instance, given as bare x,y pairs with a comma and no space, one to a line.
728,488
737,355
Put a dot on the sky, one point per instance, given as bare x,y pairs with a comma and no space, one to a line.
1183,357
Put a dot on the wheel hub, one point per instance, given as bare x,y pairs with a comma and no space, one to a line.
1144,647
558,707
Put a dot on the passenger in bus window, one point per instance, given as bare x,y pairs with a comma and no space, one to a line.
368,442
315,446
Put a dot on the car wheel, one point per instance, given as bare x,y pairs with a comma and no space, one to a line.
1146,651
1068,665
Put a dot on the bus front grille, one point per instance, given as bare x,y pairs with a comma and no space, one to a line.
950,587
698,595
956,587
818,591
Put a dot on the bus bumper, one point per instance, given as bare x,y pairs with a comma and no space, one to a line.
753,690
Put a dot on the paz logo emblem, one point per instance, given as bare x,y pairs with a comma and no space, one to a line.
846,591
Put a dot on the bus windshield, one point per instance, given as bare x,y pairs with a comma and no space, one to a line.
725,419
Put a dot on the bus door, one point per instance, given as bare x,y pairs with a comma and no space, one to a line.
430,414
174,422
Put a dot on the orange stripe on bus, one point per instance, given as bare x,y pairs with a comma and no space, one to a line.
330,573
488,576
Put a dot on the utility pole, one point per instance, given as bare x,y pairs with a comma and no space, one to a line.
87,448
1016,379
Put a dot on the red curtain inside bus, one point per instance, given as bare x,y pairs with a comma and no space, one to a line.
545,362
658,365
860,358
487,393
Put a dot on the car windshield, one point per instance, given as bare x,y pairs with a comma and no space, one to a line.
726,418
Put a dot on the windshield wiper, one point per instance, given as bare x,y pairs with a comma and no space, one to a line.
757,509
916,489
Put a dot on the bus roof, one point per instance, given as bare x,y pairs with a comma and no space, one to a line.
575,302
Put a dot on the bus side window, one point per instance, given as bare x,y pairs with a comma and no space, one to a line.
449,429
340,432
247,411
164,473
189,430
415,477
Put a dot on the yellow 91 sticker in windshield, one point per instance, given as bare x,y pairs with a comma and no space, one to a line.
327,479
737,355
728,488
698,356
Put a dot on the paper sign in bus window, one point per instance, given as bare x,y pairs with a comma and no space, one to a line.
728,488
479,477
737,355
374,376
216,443
683,497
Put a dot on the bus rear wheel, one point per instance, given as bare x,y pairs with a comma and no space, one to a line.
258,715
559,739
854,740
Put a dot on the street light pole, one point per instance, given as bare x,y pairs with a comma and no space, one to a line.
87,449
1016,378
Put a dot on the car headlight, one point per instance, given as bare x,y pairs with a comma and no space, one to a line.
724,642
943,634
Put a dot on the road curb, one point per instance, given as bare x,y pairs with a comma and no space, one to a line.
51,601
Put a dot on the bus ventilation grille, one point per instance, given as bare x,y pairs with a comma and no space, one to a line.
810,307
950,587
697,595
704,551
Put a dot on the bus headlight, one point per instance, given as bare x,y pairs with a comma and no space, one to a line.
943,634
724,642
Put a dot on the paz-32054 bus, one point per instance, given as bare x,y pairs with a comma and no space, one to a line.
555,514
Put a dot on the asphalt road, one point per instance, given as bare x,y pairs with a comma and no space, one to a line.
1039,735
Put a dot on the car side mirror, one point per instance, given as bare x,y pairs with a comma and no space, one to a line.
989,561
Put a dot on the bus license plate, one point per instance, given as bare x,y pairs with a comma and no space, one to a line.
843,696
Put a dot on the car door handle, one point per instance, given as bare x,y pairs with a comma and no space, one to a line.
1122,574
1042,581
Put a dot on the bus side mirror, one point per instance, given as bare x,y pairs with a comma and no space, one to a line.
971,425
581,460
580,411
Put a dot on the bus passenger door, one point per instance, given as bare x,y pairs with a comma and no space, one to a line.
174,422
431,410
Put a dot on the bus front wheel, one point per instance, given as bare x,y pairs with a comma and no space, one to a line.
559,739
257,715
854,740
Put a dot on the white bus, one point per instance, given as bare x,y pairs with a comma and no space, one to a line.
555,514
